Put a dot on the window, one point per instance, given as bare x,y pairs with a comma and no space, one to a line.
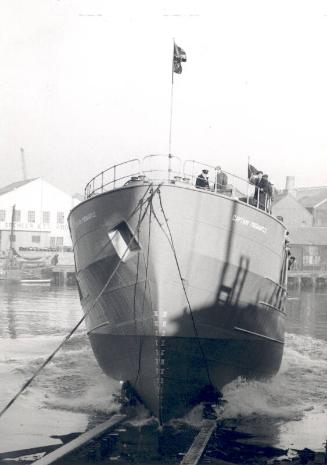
311,260
17,215
311,255
60,217
46,217
31,216
2,215
59,241
36,239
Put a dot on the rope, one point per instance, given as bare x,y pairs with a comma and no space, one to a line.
171,243
50,357
137,276
144,294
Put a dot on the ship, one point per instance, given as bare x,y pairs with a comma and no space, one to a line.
183,289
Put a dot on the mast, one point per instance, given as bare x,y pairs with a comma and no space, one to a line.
179,56
12,229
171,110
22,154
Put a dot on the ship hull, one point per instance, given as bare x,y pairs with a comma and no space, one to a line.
197,300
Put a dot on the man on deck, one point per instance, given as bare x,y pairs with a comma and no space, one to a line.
202,181
256,180
221,179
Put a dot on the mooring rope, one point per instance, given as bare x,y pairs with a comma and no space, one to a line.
144,294
171,243
137,274
68,336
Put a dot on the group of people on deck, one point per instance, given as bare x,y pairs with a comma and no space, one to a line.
263,193
221,179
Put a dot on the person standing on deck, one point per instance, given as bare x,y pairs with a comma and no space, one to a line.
221,179
256,180
202,181
265,193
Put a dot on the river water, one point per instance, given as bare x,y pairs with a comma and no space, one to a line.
71,394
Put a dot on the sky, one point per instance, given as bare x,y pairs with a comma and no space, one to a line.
85,84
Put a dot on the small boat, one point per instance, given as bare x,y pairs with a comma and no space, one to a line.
35,282
183,288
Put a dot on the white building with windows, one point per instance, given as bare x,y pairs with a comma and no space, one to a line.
40,215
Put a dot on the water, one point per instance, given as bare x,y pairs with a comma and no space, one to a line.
290,411
72,393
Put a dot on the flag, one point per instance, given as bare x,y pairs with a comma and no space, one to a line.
252,171
179,57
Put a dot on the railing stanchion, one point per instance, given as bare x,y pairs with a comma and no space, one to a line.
169,167
233,189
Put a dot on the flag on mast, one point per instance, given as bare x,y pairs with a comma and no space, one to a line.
179,57
252,171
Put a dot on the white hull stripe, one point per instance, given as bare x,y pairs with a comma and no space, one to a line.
258,335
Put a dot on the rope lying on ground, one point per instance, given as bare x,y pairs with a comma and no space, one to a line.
50,357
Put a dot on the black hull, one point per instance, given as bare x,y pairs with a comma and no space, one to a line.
172,389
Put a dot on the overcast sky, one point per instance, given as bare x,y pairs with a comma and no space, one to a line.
86,84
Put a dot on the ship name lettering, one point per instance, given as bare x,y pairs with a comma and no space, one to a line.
252,224
86,218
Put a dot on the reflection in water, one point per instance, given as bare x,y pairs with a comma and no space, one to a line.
72,392
307,314
32,310
9,304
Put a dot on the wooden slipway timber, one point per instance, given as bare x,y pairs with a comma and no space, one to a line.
192,456
201,440
80,441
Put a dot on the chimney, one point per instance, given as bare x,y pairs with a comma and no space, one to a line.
290,185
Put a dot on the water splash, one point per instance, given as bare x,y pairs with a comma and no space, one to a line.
299,386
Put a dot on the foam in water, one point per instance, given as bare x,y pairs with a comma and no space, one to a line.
294,399
300,384
62,399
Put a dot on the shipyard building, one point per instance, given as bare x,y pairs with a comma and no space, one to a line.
304,212
35,213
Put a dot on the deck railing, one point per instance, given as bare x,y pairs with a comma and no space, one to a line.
113,177
170,169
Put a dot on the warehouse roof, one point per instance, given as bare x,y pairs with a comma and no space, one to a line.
14,185
311,197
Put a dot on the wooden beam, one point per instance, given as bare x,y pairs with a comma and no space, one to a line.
194,453
80,441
